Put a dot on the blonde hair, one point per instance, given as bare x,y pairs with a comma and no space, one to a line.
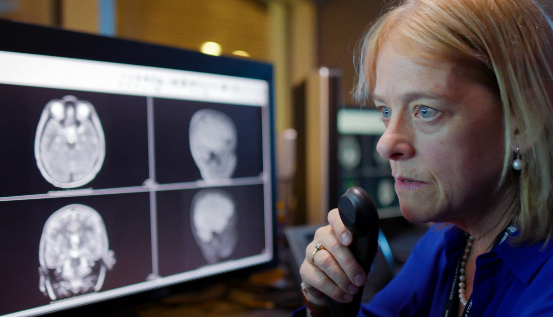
505,44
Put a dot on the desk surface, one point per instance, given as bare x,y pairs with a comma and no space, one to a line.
272,293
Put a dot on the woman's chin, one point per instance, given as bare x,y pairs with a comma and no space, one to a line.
415,215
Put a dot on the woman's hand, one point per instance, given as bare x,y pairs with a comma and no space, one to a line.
334,272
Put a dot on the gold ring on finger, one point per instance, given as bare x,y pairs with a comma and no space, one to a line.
318,246
303,287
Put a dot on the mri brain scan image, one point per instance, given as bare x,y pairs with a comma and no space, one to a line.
213,144
214,222
69,143
349,152
74,253
386,192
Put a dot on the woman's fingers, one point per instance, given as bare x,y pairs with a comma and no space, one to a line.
318,283
339,228
330,269
313,293
345,258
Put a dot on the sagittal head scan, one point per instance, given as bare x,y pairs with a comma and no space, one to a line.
69,143
213,144
214,222
74,253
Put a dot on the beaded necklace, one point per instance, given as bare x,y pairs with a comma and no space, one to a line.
459,280
462,270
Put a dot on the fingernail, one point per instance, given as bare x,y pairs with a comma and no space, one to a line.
347,297
352,289
346,238
359,279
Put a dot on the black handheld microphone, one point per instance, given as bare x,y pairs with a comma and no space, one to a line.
359,215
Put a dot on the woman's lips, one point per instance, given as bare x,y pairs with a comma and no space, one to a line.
404,184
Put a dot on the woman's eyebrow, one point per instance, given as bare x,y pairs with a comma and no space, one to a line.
411,96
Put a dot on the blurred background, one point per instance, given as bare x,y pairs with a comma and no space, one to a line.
296,36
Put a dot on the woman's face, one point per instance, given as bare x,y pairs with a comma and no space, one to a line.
444,138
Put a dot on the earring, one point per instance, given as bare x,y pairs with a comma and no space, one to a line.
517,163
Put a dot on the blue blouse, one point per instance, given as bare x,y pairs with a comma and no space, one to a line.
509,281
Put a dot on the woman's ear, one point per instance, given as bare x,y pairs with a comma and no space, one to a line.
514,134
524,139
515,137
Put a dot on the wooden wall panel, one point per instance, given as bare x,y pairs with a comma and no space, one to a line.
81,16
341,25
235,24
32,11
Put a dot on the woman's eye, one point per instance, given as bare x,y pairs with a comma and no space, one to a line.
427,112
386,112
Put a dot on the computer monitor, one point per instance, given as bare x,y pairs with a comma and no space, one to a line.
127,168
359,129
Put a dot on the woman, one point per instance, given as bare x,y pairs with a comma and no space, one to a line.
465,88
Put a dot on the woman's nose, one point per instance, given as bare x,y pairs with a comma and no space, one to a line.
396,142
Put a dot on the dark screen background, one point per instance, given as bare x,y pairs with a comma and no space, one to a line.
123,119
174,162
178,250
127,221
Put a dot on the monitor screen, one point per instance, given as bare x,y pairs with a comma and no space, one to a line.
127,167
359,130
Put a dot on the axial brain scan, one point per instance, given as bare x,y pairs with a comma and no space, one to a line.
214,222
69,142
213,144
73,253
